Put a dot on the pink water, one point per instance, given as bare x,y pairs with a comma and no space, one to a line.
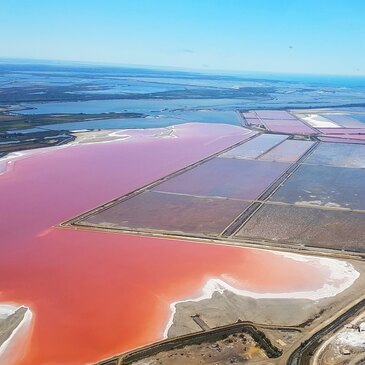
94,294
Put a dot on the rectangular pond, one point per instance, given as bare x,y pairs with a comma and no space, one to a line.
255,147
288,151
335,229
179,214
339,154
325,186
226,177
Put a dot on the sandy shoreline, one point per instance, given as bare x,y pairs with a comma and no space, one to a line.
339,270
16,322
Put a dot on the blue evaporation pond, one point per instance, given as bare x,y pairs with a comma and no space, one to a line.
209,116
153,107
129,123
359,117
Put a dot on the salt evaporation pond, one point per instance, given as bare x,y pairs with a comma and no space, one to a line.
93,294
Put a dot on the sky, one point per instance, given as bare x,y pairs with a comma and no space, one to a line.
285,36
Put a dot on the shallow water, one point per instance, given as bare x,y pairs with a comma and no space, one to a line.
152,107
228,117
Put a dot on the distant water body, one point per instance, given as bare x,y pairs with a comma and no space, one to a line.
223,117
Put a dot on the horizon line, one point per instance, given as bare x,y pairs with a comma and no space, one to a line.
45,61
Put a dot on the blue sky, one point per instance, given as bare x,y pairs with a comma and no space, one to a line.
299,36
